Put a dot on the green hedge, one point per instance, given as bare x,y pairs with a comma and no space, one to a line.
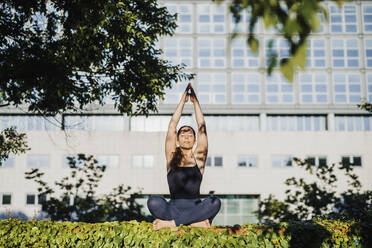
316,234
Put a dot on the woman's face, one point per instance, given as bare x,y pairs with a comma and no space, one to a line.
186,139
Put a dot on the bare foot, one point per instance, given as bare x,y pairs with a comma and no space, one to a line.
204,223
159,224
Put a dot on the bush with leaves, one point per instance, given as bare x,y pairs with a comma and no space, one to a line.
307,199
119,205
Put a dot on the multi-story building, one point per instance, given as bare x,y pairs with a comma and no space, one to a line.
256,123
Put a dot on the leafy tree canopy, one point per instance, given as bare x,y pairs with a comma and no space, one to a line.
57,55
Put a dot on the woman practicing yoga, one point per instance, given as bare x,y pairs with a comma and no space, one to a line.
184,174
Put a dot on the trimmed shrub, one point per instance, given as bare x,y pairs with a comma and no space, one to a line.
312,234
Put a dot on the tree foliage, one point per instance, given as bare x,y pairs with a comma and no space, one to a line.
62,55
118,205
12,142
309,198
295,20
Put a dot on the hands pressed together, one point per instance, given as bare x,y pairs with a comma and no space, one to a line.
189,91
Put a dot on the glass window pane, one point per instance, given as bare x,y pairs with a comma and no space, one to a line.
7,199
241,161
218,161
232,206
30,199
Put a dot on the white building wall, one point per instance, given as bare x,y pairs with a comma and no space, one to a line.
229,179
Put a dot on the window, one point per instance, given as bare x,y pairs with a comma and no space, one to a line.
281,160
6,199
216,161
212,88
241,54
347,88
157,123
369,86
78,163
368,53
343,19
211,18
296,123
353,123
317,160
232,207
9,162
351,160
278,89
178,51
313,88
184,20
316,54
345,53
149,124
245,88
231,123
279,47
41,198
247,161
142,161
236,209
95,122
211,53
173,95
30,199
367,18
30,122
110,161
242,26
38,160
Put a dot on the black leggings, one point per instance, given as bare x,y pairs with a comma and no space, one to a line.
184,211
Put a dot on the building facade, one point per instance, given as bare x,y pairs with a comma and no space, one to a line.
256,123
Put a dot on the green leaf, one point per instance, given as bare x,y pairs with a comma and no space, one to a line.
287,69
253,44
299,58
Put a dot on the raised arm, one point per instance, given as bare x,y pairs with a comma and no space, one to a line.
170,141
201,149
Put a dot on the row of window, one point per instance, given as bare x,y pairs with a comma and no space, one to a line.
247,87
212,52
251,88
281,160
147,161
213,18
215,123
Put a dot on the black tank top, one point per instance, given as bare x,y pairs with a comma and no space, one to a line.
184,182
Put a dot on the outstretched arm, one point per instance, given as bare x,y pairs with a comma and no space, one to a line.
170,141
201,149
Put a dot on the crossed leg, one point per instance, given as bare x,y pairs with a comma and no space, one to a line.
166,215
